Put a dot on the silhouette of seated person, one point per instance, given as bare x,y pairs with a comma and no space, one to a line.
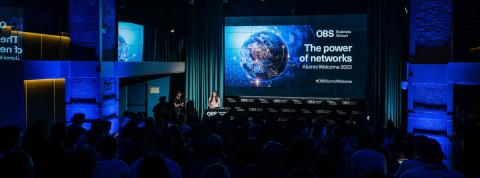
271,165
153,166
75,129
16,164
108,165
433,166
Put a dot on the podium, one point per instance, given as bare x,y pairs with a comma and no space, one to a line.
214,112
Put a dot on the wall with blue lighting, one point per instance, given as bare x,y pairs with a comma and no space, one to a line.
83,23
430,93
12,105
433,23
430,98
109,34
84,16
110,105
431,30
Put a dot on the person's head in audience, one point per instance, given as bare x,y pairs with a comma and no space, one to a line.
215,170
212,146
365,141
301,172
153,166
379,138
16,164
164,144
181,119
150,123
139,136
328,164
80,164
59,130
78,119
107,147
36,138
296,152
255,131
272,153
408,147
418,142
107,126
373,174
431,152
11,137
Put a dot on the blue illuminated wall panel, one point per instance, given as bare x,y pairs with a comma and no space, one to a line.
110,103
84,16
83,23
81,97
432,30
82,89
109,30
430,97
433,23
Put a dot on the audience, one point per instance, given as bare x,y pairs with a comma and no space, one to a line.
108,165
75,129
432,160
215,170
79,163
16,164
153,166
229,146
413,160
367,158
10,141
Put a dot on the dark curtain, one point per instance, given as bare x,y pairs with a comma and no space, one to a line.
387,39
204,52
160,45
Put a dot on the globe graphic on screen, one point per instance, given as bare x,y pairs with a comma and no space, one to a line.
263,56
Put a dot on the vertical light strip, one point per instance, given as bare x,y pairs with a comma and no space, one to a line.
54,102
25,83
41,47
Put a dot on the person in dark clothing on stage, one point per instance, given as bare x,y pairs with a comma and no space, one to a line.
179,102
161,111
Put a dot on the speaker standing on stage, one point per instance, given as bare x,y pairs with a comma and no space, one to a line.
214,100
178,102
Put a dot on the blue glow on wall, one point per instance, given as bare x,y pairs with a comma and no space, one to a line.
83,22
108,25
91,111
430,97
84,16
110,105
83,88
433,22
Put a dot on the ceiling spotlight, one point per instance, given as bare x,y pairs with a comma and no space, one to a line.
172,30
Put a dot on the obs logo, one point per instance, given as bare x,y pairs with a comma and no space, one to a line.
3,24
211,113
325,33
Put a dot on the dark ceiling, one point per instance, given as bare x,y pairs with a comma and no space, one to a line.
174,14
